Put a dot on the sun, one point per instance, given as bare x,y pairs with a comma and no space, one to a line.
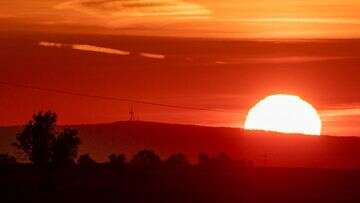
284,113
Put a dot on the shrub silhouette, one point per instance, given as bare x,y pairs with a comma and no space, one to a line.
222,158
203,159
85,161
6,159
178,160
117,160
146,159
43,145
65,147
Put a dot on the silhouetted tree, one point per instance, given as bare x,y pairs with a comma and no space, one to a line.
178,160
6,159
117,160
37,138
203,159
43,145
222,158
65,147
85,161
146,159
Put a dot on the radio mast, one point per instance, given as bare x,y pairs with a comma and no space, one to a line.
131,113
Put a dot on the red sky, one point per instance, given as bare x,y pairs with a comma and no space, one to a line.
227,75
91,47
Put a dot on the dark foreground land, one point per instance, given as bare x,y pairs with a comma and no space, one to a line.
102,183
280,150
302,167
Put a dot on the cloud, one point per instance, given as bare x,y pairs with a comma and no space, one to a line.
341,112
2,15
153,56
221,62
50,44
85,47
354,21
285,59
135,8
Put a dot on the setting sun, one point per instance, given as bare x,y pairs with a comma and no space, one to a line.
284,113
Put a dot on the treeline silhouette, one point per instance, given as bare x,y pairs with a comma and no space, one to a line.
48,148
55,173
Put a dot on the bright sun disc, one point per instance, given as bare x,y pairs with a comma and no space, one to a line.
284,113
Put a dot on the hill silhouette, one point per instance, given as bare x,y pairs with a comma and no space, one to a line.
147,176
260,148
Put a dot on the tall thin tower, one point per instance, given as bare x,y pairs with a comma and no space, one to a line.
131,113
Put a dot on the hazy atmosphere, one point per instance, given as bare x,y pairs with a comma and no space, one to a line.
180,101
228,76
222,56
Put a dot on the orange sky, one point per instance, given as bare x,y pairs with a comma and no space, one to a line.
227,18
89,46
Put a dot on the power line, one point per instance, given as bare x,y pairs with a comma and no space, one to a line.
68,92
